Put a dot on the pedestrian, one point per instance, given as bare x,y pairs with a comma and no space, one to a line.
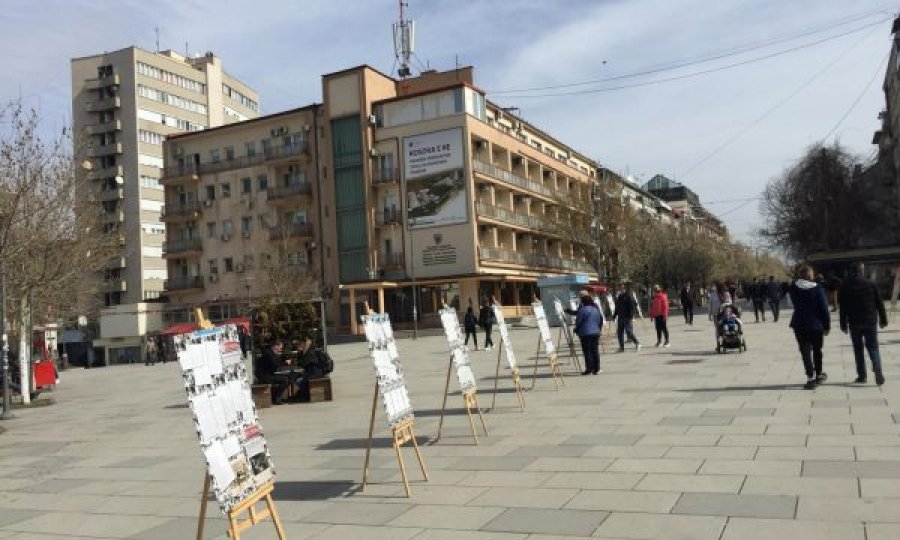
470,323
626,307
811,323
588,325
860,308
833,285
267,371
758,299
488,320
774,295
687,302
718,295
659,312
150,352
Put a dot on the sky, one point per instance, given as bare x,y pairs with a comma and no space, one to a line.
808,69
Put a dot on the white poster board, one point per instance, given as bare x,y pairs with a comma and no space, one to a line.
543,327
458,350
388,370
564,320
435,178
637,305
218,391
504,335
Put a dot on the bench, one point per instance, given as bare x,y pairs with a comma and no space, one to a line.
262,395
320,389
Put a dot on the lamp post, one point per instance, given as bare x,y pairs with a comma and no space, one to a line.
5,414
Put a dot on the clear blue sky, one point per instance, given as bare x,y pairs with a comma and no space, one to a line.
282,47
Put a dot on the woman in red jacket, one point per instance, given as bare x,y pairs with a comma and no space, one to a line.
659,311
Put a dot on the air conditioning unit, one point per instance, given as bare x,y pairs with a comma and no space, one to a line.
373,120
245,234
239,268
207,203
226,237
213,278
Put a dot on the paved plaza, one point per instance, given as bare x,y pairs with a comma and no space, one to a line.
676,443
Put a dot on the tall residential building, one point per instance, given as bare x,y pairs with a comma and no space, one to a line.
124,104
686,206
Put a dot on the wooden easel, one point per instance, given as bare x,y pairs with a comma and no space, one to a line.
517,380
202,321
552,358
570,342
401,433
235,523
470,401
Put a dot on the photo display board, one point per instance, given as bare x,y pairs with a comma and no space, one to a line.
218,391
388,370
543,327
458,350
504,335
564,320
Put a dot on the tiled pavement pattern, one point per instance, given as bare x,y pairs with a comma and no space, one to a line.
676,443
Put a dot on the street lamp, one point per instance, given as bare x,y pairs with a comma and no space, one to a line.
5,414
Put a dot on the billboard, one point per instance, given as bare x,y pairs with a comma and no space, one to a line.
435,179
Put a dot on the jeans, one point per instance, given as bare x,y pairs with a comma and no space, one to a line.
623,328
775,305
474,337
869,334
810,344
661,329
488,342
688,309
590,347
759,308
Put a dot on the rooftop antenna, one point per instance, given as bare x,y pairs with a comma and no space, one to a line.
404,42
157,38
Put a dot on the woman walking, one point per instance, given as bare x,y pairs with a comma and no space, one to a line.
718,295
811,322
588,324
487,319
470,323
659,312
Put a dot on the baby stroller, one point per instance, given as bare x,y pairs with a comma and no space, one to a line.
729,329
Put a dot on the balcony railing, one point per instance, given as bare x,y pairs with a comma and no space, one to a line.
112,194
290,190
105,150
391,260
104,104
509,216
385,176
106,127
100,82
182,246
180,209
183,283
273,153
388,216
294,230
510,178
184,169
533,259
107,172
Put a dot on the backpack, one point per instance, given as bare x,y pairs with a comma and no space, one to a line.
317,364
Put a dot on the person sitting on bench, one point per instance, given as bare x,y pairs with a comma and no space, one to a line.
266,371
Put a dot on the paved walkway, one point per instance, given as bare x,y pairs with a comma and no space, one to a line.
676,443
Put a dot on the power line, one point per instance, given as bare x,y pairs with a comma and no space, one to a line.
716,55
702,72
859,97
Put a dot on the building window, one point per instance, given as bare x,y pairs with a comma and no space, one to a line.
229,153
246,225
214,155
226,190
229,264
150,137
169,77
250,148
266,146
227,228
150,182
210,193
246,185
263,181
211,229
297,258
213,266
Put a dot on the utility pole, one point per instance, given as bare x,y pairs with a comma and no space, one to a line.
5,345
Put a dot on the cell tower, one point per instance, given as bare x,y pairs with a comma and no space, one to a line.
404,43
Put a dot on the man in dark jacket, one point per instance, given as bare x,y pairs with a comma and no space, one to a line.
266,371
626,308
758,298
774,295
861,308
687,301
588,324
811,323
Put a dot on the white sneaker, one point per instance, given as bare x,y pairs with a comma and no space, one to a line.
637,346
666,346
599,370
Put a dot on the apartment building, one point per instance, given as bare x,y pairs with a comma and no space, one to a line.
242,215
124,104
686,206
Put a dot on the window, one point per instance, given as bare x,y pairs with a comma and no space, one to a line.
150,137
151,161
229,153
214,155
250,148
169,77
263,221
227,228
226,190
231,113
171,121
229,264
263,181
246,185
211,229
248,262
150,182
171,99
240,98
154,228
152,251
297,258
210,193
266,146
246,225
151,205
213,266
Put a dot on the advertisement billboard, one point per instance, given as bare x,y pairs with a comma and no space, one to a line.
435,179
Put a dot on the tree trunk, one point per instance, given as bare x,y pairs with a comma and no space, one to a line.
24,356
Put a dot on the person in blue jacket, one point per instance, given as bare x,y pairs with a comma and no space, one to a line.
588,323
811,322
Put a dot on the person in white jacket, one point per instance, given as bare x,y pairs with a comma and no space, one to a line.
717,296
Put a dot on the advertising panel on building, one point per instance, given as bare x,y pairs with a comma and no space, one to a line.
435,179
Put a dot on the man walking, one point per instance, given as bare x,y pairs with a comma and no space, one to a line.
626,307
687,302
773,295
758,298
860,308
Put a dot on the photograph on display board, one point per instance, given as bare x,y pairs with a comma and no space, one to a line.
231,440
435,179
543,327
458,350
388,369
564,320
504,335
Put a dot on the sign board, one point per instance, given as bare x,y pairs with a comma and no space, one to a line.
543,327
388,370
218,391
563,320
504,335
458,350
435,179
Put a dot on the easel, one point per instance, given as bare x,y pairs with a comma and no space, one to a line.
235,523
517,380
552,358
570,342
470,400
401,433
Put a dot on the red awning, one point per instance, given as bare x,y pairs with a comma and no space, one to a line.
239,321
180,328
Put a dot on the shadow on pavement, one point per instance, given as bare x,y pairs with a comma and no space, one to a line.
314,491
685,361
377,442
745,388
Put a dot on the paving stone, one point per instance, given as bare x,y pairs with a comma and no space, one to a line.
690,483
66,523
879,487
358,513
865,509
882,531
714,452
9,516
542,521
550,451
750,467
759,411
723,504
557,464
624,501
773,485
660,527
656,465
753,529
525,498
447,517
493,463
603,439
588,480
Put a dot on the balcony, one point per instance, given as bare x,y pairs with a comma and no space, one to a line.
105,150
388,216
286,152
183,283
290,191
294,230
101,82
115,285
505,176
107,127
109,218
274,154
107,172
508,216
180,210
533,259
183,247
112,194
392,260
383,177
104,104
116,262
175,173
